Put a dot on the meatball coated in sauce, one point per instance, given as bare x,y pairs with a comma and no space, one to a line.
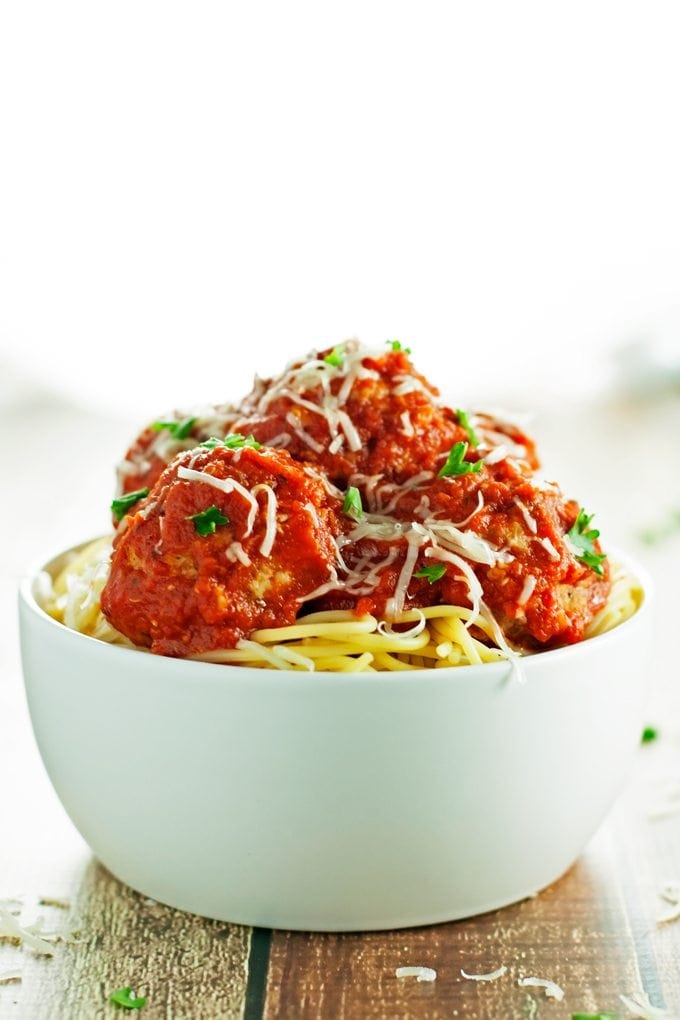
183,584
372,414
539,592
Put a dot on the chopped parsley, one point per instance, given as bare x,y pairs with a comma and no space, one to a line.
395,345
432,573
464,419
233,442
456,463
206,521
178,429
649,734
352,505
594,1016
583,538
336,357
124,504
126,998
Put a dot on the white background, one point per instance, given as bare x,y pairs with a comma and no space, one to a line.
192,192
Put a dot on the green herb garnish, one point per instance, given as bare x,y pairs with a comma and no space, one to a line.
352,505
396,346
124,504
432,573
649,734
584,537
125,997
336,357
178,429
464,419
206,521
456,463
594,1016
233,442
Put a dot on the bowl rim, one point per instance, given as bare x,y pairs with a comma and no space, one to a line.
500,670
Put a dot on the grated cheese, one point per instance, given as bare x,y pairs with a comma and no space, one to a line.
267,543
330,585
11,928
406,424
549,548
415,539
419,973
492,976
527,590
530,521
498,453
8,976
551,989
302,434
235,552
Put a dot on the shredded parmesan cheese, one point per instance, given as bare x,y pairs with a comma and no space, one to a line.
406,424
267,543
301,434
235,552
530,521
552,990
492,976
419,973
11,928
549,548
8,976
527,590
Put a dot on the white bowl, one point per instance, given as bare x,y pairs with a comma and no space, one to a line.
333,802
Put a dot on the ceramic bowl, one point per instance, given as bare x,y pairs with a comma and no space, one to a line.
333,802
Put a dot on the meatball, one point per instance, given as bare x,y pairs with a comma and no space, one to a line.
357,414
227,541
505,539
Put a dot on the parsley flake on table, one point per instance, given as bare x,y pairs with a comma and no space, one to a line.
456,463
126,998
464,419
233,442
648,735
178,429
352,505
395,345
594,1016
206,521
433,573
123,504
583,537
336,357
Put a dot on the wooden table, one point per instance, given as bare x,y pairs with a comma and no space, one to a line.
594,932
